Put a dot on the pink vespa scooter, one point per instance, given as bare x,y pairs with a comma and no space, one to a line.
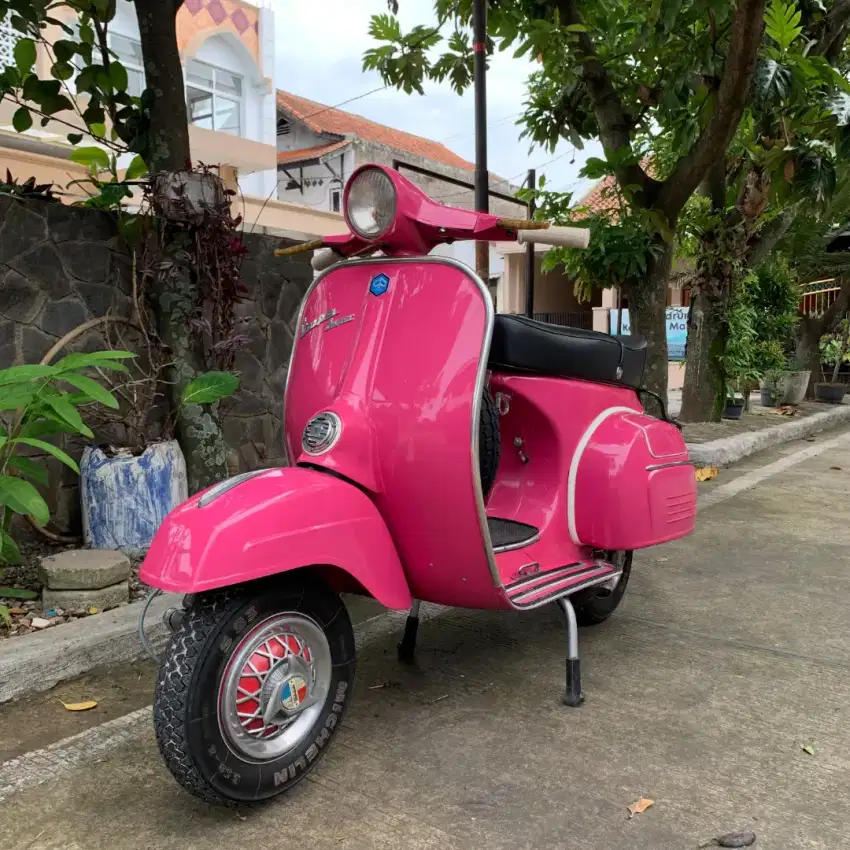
440,453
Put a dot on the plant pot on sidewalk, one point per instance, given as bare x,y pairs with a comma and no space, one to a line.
833,393
767,390
733,410
125,495
791,387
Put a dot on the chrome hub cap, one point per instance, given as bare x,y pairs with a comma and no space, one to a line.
274,687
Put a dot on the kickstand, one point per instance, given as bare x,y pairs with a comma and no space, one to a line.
573,696
407,647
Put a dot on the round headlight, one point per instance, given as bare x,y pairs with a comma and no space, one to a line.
370,208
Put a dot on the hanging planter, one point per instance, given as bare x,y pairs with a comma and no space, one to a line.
125,495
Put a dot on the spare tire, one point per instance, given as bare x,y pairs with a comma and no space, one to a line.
489,443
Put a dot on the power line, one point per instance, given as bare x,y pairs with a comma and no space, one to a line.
496,123
424,38
344,102
509,179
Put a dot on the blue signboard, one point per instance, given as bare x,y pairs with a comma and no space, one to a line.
677,329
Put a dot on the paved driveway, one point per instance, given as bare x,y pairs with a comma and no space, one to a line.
729,655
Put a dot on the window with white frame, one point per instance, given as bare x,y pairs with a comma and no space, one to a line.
129,53
214,97
8,39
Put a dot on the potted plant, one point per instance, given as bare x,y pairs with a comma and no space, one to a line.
767,389
127,491
834,350
791,386
136,474
734,408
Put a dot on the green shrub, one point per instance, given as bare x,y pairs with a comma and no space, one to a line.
38,402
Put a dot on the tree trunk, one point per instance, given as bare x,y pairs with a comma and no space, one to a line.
167,147
807,353
198,428
702,394
648,318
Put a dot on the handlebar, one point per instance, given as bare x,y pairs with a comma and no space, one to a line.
300,249
560,237
526,231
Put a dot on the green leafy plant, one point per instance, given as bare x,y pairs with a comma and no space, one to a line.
835,348
42,401
108,111
206,388
210,387
108,189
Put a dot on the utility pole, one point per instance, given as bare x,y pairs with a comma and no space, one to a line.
529,251
482,183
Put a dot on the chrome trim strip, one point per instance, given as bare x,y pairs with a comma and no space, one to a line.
480,378
547,577
569,592
655,466
576,459
520,544
228,484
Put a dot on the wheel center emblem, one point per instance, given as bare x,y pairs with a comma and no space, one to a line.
293,693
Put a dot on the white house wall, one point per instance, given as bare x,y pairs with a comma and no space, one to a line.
225,50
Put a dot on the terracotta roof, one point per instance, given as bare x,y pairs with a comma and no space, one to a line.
323,119
301,154
602,197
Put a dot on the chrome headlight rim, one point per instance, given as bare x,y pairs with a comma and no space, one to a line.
386,210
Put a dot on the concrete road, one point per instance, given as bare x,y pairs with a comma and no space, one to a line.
730,654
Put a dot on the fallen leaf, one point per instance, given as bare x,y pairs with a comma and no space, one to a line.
17,611
79,706
838,468
639,807
706,473
92,609
808,748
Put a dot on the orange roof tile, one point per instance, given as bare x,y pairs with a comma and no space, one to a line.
300,154
602,197
324,119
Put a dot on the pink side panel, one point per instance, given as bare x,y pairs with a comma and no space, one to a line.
401,375
630,493
549,415
278,521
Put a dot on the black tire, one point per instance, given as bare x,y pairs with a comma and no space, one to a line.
185,711
597,604
489,443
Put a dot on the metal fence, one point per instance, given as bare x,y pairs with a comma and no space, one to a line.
818,296
570,320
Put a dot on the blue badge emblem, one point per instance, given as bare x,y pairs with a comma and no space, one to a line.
379,285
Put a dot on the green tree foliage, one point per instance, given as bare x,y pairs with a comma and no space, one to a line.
81,58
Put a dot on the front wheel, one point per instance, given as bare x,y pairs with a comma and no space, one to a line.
252,688
596,604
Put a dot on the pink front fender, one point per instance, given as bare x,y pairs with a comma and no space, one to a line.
279,520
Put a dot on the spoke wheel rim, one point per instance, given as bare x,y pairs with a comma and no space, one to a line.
274,687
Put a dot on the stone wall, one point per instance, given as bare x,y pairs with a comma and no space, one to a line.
61,265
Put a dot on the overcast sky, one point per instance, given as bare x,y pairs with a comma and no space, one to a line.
319,49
